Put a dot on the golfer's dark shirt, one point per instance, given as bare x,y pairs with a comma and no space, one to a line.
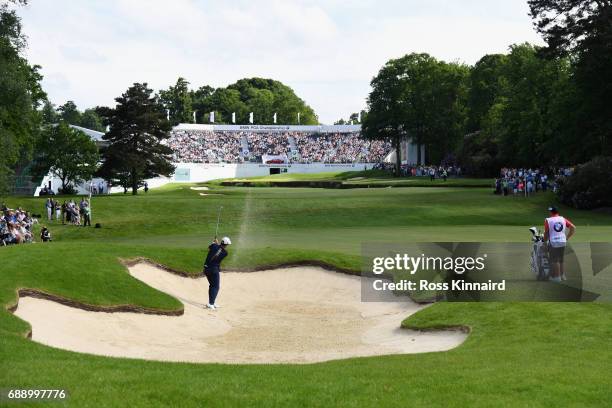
216,253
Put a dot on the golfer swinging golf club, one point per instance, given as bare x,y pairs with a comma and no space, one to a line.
212,266
555,228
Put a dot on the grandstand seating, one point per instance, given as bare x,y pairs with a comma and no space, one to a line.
213,146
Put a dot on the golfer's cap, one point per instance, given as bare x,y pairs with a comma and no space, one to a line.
226,241
553,209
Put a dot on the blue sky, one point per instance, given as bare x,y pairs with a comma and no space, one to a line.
328,51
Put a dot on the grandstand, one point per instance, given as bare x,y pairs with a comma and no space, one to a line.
205,152
274,144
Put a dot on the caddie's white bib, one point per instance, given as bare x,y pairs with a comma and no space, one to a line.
556,231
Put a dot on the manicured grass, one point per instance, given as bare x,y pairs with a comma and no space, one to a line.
354,179
518,354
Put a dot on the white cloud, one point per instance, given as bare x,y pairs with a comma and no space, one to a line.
328,51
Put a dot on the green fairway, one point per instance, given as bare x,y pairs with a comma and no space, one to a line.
354,179
517,354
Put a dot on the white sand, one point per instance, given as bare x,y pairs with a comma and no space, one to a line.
199,188
292,315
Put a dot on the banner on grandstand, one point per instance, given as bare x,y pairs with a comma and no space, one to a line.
274,159
270,128
340,164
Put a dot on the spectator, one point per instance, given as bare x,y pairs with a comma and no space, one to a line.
49,207
64,212
45,235
15,226
87,216
58,210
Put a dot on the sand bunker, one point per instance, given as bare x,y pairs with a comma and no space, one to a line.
291,315
199,188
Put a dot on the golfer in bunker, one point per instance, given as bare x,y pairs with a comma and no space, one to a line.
212,268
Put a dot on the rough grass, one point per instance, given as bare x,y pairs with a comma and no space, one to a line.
518,354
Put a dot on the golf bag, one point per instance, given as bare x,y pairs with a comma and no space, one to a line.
539,262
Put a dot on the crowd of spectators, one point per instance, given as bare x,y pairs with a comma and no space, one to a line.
434,172
515,181
420,170
46,191
339,148
376,150
96,188
16,226
197,146
267,143
69,212
101,187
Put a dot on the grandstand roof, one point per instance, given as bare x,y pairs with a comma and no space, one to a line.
94,134
270,128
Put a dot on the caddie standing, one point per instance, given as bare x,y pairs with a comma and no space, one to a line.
557,230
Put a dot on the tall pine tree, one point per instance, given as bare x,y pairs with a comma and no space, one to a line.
138,125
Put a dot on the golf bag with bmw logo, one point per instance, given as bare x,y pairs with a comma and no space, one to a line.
539,262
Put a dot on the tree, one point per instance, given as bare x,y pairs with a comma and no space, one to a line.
201,102
571,25
420,98
264,97
527,137
519,108
20,96
67,153
177,100
138,125
582,29
354,118
261,103
49,113
91,120
487,83
70,113
225,102
448,112
386,108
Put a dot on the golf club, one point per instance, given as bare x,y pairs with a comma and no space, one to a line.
218,220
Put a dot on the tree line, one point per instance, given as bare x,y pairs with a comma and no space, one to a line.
532,107
264,97
70,114
20,95
35,136
138,124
